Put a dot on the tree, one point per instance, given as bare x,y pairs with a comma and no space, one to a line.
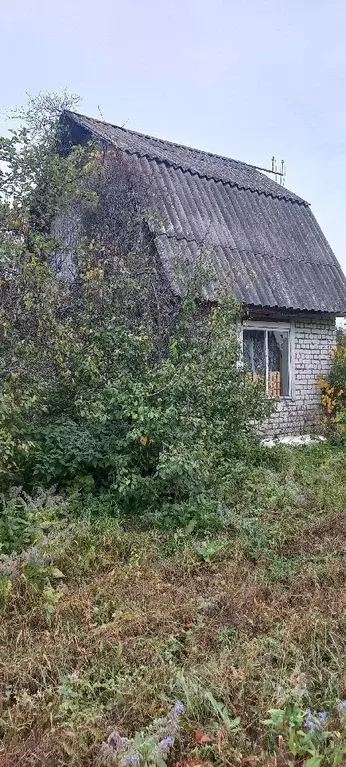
107,381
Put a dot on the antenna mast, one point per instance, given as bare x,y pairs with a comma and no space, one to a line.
280,175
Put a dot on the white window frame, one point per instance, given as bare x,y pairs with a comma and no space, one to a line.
279,326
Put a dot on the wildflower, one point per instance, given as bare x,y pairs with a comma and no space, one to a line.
341,704
309,724
315,722
132,759
173,718
165,745
108,755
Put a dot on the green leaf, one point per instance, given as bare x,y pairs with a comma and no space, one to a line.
222,711
191,526
314,761
56,573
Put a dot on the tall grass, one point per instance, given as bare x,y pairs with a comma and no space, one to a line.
104,628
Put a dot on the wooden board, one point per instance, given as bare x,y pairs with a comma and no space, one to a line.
274,384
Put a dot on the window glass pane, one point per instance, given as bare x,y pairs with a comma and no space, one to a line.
254,353
278,363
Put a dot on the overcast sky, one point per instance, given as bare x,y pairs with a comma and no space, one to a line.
243,78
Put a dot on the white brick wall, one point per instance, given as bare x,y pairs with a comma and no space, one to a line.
313,343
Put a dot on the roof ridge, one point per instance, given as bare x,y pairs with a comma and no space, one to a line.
186,167
162,140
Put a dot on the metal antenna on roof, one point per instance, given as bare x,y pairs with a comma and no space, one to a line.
99,110
279,175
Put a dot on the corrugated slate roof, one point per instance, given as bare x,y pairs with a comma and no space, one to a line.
265,245
257,280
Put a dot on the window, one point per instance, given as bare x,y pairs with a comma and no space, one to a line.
267,356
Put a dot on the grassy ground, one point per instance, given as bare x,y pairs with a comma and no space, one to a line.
108,628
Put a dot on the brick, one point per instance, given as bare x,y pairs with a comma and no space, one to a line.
314,339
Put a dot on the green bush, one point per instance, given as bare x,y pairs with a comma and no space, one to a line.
25,519
161,435
334,393
109,382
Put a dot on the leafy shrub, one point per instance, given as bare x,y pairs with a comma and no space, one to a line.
334,392
109,382
65,452
149,747
24,519
305,734
161,434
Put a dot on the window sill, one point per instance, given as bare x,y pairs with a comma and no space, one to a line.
289,397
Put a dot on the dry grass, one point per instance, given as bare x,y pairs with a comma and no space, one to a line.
138,623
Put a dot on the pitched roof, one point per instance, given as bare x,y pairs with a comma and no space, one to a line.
264,243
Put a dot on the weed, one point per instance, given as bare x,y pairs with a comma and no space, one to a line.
102,628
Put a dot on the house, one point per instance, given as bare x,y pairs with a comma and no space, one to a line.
266,249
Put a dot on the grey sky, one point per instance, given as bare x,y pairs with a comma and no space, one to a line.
244,78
